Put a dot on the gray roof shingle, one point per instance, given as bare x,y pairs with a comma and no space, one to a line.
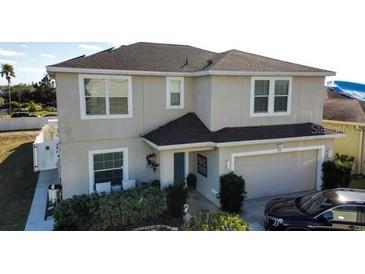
344,109
190,129
180,58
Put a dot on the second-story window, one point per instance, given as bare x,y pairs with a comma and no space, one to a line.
270,96
175,92
105,96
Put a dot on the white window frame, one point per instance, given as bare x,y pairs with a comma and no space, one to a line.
85,116
102,151
271,111
168,94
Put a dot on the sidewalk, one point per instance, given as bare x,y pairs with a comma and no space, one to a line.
36,221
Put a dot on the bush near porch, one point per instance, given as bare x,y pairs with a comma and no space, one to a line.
232,192
106,212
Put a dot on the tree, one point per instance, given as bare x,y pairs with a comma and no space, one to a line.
45,91
7,71
25,90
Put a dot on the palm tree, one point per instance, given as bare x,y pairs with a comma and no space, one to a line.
7,70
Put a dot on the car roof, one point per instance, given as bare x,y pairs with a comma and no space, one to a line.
346,195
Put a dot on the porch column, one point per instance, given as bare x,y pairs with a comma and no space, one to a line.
166,168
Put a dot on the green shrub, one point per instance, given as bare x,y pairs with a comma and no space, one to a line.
216,222
32,107
337,173
74,213
191,181
232,192
156,183
101,212
176,199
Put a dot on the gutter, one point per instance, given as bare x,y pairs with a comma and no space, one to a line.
52,70
361,151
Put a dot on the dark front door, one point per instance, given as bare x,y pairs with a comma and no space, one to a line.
179,168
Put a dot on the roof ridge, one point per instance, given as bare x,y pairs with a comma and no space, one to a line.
224,54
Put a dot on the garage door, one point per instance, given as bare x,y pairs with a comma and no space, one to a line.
279,173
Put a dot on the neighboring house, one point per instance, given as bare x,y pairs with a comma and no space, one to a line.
198,111
347,115
348,89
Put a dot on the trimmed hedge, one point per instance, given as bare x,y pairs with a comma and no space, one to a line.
337,173
232,192
216,222
191,181
176,199
102,212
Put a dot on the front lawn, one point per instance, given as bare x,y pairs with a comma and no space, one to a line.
17,179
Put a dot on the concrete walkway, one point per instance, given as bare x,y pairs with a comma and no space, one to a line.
36,218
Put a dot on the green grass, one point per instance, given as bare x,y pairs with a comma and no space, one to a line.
17,179
358,183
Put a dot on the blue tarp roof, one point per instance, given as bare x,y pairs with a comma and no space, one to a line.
349,89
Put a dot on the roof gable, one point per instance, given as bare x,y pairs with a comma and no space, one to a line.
189,129
154,57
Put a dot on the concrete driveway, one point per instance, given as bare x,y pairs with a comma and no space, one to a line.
253,210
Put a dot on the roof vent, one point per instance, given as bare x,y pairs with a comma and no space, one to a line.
186,63
209,62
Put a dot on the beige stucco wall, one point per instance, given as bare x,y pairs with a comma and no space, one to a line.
149,110
219,101
77,136
75,163
217,163
230,102
352,144
203,99
206,184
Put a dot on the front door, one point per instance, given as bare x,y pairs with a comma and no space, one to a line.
179,168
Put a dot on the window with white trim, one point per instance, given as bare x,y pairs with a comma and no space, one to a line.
108,166
175,92
270,96
105,96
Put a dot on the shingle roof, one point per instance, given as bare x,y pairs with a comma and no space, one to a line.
145,57
184,130
180,58
344,109
190,129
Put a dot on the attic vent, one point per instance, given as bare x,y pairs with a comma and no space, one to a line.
209,62
186,63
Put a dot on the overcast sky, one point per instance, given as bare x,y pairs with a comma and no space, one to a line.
324,34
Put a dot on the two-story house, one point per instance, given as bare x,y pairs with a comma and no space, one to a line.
192,111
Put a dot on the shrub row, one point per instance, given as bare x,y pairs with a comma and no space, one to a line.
216,222
102,212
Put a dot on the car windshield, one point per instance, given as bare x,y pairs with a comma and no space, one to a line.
311,203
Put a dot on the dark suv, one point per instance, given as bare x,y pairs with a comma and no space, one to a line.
335,209
22,114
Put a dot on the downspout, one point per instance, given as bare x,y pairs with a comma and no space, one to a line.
361,149
361,154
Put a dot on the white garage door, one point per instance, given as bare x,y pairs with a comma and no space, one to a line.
279,173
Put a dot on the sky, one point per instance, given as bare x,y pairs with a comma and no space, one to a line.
30,59
318,33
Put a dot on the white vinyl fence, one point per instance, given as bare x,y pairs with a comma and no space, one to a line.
22,123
